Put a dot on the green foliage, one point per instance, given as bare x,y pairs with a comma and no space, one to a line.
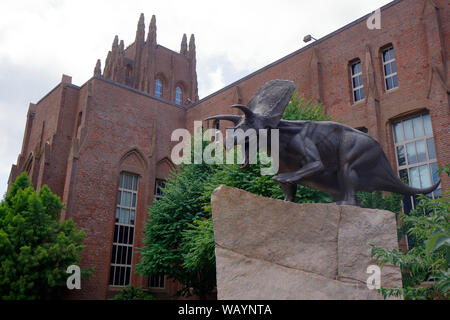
429,260
168,217
35,246
179,235
132,293
376,200
302,109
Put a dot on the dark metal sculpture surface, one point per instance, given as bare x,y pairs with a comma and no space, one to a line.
326,156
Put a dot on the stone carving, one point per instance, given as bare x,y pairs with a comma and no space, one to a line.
268,249
327,156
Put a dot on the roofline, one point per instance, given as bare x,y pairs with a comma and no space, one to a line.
328,36
137,91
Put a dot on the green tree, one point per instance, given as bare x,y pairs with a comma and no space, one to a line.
35,246
168,218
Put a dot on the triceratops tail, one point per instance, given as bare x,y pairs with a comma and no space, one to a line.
393,183
406,190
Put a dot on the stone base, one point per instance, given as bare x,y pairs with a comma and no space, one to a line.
269,249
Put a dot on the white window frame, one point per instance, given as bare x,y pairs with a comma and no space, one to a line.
392,60
403,143
361,85
129,246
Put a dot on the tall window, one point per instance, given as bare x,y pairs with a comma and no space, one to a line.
416,155
178,95
158,281
158,88
390,69
357,81
122,252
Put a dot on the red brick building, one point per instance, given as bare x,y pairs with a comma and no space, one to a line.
105,147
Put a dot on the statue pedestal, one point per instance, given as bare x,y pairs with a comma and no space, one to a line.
269,249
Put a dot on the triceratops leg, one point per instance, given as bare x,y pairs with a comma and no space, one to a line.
348,182
289,191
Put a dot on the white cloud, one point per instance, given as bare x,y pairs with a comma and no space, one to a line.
51,37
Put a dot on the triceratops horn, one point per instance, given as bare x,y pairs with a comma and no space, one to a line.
248,113
228,117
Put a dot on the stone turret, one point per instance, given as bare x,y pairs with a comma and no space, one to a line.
144,61
98,69
183,49
193,66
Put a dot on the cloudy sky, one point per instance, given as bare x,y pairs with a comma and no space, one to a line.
42,39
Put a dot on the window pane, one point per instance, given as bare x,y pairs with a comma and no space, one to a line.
360,80
392,53
111,276
126,199
357,97
414,177
389,83
404,176
133,204
113,257
355,82
425,176
401,156
131,235
361,93
421,151
409,135
395,81
127,277
124,216
130,254
118,197
386,55
133,215
116,233
418,127
393,67
411,151
398,132
355,68
387,69
117,214
121,234
434,172
427,124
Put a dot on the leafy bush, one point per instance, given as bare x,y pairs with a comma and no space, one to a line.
36,248
132,293
429,260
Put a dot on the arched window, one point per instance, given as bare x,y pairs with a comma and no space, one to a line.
158,88
128,71
178,96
